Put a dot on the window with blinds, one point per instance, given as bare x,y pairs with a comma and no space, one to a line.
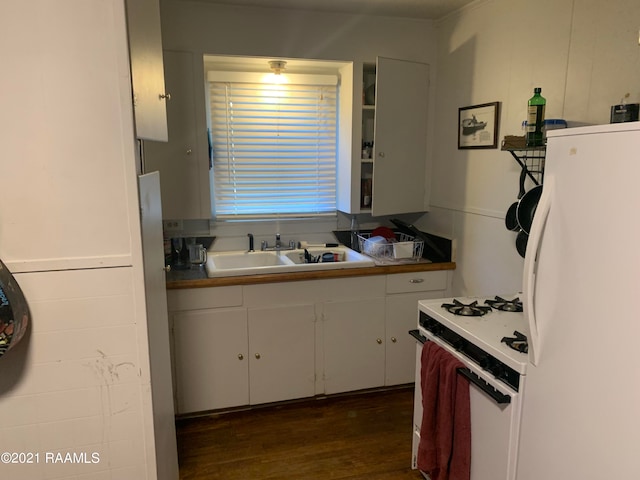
273,149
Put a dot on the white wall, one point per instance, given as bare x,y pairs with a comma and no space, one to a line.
585,56
217,29
78,382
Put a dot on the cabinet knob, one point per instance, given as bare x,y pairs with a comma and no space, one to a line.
167,268
416,280
394,339
257,355
189,151
379,340
165,96
381,154
240,356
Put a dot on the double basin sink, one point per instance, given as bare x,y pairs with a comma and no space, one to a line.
232,263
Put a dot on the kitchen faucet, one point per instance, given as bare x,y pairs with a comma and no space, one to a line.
250,235
264,245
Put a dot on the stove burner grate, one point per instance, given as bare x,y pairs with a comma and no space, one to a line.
518,342
466,310
500,303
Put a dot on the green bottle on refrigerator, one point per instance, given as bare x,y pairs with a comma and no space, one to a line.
535,119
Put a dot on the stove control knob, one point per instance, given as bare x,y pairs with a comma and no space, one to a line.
485,363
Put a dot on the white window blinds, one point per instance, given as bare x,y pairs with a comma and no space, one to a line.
273,149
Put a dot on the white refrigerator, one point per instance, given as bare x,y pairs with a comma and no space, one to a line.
581,413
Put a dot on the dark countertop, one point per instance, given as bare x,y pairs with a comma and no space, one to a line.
196,277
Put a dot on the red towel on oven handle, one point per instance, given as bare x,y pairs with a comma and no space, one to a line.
444,451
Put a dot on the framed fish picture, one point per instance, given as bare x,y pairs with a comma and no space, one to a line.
478,126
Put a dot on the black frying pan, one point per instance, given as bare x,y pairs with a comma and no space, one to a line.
527,208
521,243
511,219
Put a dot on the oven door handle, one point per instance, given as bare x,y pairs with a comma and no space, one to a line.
416,334
496,395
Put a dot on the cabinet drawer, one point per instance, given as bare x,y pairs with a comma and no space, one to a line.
417,282
201,298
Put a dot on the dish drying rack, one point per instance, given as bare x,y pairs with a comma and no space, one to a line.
407,247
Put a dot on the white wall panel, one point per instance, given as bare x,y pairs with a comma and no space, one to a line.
72,385
67,136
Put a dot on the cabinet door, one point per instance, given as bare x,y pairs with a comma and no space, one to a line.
147,73
402,316
184,172
158,328
211,364
354,354
400,149
282,353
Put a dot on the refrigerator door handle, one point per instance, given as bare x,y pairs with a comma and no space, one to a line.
530,259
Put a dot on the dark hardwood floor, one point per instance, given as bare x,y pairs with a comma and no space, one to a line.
353,437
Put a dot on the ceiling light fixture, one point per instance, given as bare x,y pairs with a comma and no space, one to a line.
277,66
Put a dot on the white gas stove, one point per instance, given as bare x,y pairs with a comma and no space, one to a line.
489,336
474,319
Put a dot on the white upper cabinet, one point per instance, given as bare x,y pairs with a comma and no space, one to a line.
183,161
147,72
386,171
400,139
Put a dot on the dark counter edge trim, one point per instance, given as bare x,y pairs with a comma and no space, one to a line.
307,275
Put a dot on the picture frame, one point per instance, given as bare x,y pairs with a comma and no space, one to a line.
478,126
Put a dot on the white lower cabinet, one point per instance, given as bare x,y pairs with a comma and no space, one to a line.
402,313
403,293
354,353
281,353
228,357
211,361
279,341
